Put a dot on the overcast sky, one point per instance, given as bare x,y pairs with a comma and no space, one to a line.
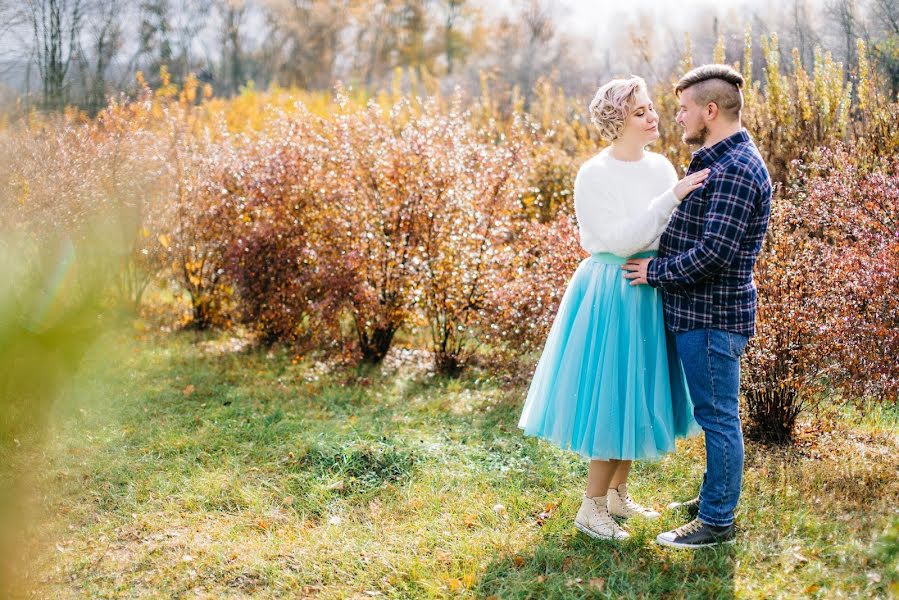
598,20
587,15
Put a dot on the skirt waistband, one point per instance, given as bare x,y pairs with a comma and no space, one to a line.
610,259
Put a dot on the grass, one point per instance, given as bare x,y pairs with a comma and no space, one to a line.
185,469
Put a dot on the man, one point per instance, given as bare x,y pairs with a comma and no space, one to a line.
704,269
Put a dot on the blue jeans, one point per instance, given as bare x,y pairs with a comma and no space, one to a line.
711,359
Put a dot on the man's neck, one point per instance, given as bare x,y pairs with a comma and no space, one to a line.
723,134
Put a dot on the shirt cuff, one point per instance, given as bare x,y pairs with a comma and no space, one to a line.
652,277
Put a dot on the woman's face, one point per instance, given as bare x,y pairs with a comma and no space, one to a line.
642,122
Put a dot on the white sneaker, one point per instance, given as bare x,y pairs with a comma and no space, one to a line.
594,520
620,504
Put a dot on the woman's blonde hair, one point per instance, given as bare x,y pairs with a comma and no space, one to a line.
610,105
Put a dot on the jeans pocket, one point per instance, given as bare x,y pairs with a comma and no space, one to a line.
737,344
727,344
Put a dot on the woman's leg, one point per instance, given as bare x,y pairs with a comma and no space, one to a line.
599,476
593,517
619,500
621,473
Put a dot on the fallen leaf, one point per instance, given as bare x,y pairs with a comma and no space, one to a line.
287,500
518,560
337,486
546,513
597,583
188,389
800,558
470,521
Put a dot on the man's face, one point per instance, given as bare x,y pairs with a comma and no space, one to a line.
690,117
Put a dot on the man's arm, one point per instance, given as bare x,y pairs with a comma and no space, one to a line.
732,195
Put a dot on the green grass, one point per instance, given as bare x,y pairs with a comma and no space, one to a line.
175,472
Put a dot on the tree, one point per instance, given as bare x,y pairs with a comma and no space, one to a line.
453,44
166,37
105,42
56,25
304,43
885,13
844,15
804,37
232,66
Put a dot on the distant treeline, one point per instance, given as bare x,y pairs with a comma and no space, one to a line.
57,53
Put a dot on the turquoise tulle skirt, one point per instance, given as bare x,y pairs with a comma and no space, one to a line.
608,384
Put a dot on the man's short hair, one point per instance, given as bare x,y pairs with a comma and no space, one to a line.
610,105
720,84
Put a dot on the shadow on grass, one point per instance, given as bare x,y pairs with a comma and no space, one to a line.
575,566
567,564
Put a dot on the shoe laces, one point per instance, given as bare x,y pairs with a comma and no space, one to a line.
630,503
603,515
691,527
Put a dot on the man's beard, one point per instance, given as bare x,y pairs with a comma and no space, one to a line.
699,137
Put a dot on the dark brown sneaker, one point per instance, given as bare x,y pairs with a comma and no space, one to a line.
691,506
697,534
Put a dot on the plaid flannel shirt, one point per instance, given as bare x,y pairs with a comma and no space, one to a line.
707,252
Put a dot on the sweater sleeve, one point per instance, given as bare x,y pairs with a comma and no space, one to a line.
595,209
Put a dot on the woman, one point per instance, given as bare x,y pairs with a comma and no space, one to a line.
609,385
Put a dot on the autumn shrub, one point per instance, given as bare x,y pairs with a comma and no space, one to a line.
466,228
828,282
143,169
375,189
851,220
69,176
785,360
138,176
550,184
200,216
519,311
282,290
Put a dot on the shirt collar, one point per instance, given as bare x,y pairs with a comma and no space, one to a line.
707,156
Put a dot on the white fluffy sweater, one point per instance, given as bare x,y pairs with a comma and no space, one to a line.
623,207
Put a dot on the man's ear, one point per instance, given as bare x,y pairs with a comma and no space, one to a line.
711,111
